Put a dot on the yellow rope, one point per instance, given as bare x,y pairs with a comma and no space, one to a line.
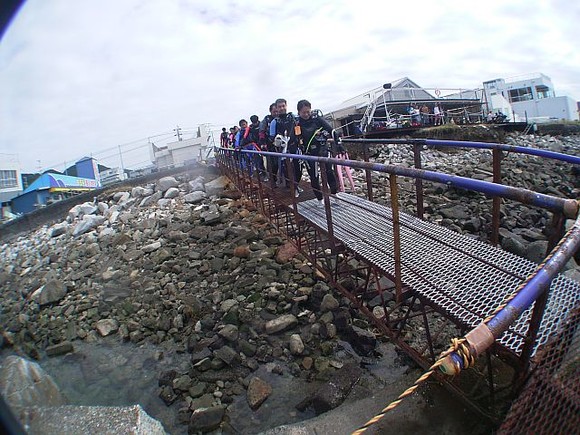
457,345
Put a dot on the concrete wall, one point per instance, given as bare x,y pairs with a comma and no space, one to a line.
557,107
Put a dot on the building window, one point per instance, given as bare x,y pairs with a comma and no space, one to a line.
522,94
8,179
544,92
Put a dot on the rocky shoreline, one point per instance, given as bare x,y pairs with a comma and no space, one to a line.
186,264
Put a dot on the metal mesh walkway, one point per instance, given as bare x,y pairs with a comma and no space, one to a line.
460,276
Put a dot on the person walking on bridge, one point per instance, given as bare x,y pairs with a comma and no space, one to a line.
283,125
314,133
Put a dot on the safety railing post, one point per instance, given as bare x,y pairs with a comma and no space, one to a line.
368,173
293,189
396,235
418,181
326,199
557,224
496,202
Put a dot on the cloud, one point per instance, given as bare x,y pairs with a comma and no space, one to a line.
80,77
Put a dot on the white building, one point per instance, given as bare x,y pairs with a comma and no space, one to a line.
183,151
531,97
112,175
10,181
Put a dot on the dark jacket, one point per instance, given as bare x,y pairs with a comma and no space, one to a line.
284,125
264,132
314,132
249,135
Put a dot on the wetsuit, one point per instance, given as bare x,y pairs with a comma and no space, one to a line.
284,125
314,134
248,139
267,144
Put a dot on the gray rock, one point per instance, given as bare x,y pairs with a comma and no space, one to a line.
59,229
229,332
151,247
165,183
514,244
217,186
332,394
296,345
90,420
88,208
197,185
206,419
52,291
211,217
536,251
107,327
88,223
281,323
172,192
141,192
227,355
151,199
362,340
59,349
194,197
102,207
182,383
121,196
455,212
228,304
74,212
164,202
328,303
24,383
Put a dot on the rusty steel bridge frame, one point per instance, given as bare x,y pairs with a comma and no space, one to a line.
495,380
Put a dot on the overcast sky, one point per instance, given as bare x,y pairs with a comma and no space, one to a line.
81,76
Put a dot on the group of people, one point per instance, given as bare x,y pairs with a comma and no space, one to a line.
422,116
282,132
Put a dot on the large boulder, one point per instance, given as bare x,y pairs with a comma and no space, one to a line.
206,419
52,291
88,223
172,192
197,185
165,183
90,420
333,393
25,383
217,186
194,197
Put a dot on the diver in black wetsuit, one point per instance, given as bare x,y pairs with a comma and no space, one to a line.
315,132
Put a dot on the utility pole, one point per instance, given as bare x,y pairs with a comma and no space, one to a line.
122,165
177,132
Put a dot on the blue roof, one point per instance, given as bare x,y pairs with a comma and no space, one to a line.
49,180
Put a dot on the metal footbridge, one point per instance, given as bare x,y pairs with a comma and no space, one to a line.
406,274
458,275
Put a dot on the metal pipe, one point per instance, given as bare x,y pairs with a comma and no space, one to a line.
326,201
368,173
480,145
496,202
484,335
396,235
418,181
569,207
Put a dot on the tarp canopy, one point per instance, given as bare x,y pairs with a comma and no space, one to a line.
59,181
